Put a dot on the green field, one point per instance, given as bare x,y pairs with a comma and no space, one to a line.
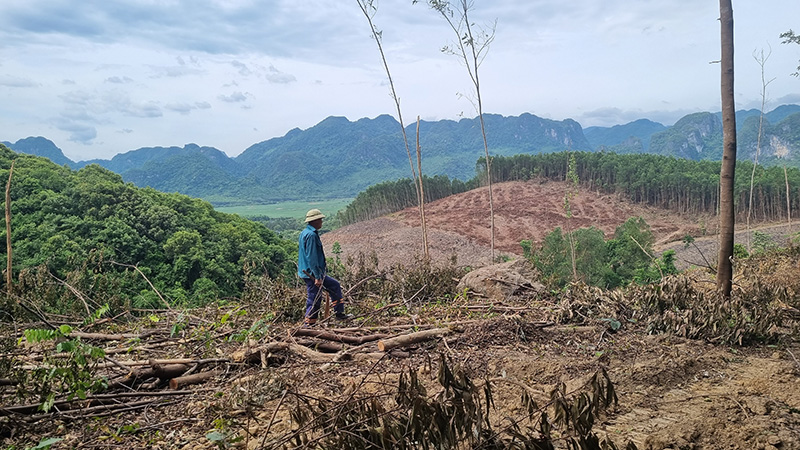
296,209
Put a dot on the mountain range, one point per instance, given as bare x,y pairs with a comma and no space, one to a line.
338,158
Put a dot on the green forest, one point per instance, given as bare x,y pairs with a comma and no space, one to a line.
88,231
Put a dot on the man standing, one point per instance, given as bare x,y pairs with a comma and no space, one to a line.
312,269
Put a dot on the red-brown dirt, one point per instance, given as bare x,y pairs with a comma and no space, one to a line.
460,224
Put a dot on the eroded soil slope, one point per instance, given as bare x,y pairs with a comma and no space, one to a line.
460,224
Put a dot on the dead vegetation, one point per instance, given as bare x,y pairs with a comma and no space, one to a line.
424,365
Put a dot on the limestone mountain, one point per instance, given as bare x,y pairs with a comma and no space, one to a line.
340,158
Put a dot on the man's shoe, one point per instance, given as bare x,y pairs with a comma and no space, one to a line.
343,316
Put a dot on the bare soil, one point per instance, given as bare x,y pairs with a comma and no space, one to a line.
459,225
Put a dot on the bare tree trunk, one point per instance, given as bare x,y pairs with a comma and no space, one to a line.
762,60
421,191
472,49
368,7
728,168
9,276
788,199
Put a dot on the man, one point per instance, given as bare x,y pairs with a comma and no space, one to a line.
312,269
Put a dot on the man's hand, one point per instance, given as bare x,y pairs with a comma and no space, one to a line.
318,282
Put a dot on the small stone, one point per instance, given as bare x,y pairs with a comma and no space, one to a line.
774,440
776,355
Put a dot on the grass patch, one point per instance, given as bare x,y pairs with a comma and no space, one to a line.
296,208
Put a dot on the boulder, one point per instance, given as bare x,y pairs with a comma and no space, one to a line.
501,281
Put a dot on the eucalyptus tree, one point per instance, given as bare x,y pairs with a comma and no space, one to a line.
728,167
471,45
761,59
369,8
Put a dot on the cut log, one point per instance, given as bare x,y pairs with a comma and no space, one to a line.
324,347
194,378
386,345
328,336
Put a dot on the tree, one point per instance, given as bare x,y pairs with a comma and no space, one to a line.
369,8
472,44
761,59
728,167
791,38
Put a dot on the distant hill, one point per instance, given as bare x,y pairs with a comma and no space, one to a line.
340,158
624,136
40,146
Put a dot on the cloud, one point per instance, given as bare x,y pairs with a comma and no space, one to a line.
186,108
609,116
243,69
78,132
16,82
173,71
789,98
283,28
233,98
119,80
276,76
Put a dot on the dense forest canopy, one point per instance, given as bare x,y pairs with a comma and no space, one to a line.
89,230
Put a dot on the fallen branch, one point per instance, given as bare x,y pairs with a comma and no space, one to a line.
329,336
253,355
404,340
497,308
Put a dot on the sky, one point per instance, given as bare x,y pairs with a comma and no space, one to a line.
102,77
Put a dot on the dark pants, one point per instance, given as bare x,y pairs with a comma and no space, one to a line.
314,300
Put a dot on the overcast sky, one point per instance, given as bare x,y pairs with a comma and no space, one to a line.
101,77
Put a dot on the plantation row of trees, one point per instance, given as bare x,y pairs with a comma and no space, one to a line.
391,196
676,184
88,231
667,182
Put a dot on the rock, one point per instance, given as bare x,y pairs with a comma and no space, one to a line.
500,281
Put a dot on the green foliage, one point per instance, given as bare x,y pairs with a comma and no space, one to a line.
740,251
762,242
70,375
609,264
91,229
46,443
789,38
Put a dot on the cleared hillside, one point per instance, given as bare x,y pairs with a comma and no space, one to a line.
459,224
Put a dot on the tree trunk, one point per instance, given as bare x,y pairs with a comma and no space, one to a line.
9,277
728,169
421,191
386,345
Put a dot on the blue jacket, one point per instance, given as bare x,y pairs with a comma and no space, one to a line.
311,256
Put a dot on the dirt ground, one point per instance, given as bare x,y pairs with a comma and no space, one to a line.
460,225
674,393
